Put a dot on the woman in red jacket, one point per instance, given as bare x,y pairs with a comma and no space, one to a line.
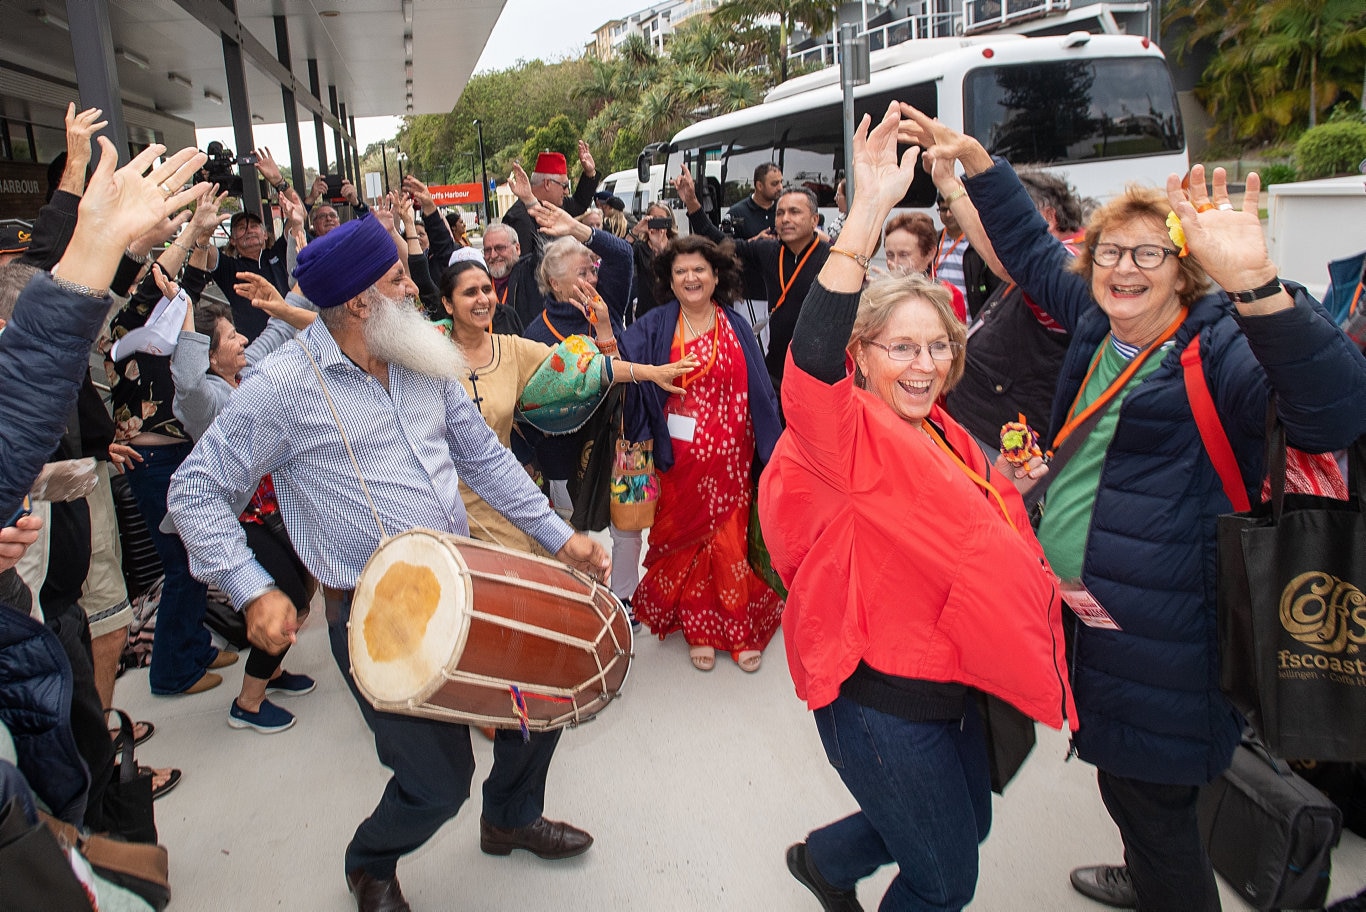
915,581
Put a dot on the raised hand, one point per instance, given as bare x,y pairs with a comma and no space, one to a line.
590,168
209,213
384,211
159,234
941,142
317,191
258,290
520,185
1226,241
687,190
265,163
165,284
293,213
403,207
348,190
419,192
555,222
80,128
591,304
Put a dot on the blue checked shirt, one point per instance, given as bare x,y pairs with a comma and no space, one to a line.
410,441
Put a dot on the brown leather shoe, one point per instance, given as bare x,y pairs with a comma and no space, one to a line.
546,838
223,659
208,681
375,895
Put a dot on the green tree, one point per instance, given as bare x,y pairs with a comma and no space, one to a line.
560,135
814,16
1275,65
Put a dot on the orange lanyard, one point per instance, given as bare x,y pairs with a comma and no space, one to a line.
678,349
786,285
1073,419
503,298
1355,298
972,474
551,326
944,254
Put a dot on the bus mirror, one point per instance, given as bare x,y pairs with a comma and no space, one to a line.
643,167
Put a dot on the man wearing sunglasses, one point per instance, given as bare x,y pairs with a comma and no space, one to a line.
550,184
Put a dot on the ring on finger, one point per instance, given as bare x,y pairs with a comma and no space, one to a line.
1204,207
165,190
1225,207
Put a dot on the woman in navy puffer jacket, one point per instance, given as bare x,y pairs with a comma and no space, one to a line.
1131,512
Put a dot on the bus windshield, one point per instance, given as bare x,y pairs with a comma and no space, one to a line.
1073,111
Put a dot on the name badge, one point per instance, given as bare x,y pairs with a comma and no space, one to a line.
682,427
1086,606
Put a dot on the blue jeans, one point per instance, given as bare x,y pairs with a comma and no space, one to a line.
182,649
924,791
432,765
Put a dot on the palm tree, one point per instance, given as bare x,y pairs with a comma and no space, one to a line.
814,16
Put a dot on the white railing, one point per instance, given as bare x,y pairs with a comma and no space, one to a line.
923,25
983,15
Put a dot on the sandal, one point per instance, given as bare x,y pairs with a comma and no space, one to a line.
147,729
170,778
749,660
703,657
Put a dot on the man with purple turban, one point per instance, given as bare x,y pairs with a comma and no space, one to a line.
413,431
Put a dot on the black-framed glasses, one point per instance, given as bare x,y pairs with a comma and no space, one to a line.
942,350
1145,256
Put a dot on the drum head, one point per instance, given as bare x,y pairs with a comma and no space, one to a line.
409,617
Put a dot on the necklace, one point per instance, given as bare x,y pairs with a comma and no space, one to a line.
688,323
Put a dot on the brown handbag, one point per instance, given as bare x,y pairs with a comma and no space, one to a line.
136,866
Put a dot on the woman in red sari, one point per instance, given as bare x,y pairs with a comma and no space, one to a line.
706,442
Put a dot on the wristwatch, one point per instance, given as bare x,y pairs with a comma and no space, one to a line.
1256,294
282,186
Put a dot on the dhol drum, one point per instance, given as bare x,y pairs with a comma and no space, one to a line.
450,628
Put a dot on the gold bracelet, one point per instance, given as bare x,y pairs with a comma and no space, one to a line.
856,257
956,195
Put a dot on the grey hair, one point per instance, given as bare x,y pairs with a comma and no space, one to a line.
13,277
505,229
807,193
553,259
1048,191
333,317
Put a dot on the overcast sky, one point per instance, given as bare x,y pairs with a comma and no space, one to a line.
523,32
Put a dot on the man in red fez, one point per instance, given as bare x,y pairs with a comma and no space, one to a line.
550,184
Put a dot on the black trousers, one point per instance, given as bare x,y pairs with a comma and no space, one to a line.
1162,846
432,764
279,560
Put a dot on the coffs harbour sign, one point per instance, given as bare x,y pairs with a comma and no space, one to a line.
1327,615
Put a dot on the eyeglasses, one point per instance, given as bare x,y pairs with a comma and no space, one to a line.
1145,256
498,248
563,185
943,350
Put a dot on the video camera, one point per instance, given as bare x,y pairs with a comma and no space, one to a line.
222,168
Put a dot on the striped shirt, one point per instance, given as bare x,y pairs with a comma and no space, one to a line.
948,266
410,441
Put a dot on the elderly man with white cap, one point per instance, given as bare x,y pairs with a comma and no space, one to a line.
413,431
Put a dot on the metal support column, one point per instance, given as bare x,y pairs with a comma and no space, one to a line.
346,153
355,154
97,78
319,137
296,148
239,104
336,133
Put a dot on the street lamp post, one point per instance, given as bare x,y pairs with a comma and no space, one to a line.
484,168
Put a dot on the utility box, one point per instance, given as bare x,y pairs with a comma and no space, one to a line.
1312,222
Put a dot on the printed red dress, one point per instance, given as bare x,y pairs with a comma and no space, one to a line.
697,573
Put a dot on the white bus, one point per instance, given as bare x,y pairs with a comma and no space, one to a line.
1099,109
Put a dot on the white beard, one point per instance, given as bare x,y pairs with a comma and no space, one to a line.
502,271
397,333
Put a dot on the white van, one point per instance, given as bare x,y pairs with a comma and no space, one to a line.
636,195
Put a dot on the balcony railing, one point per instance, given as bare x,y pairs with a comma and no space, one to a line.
984,15
974,16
